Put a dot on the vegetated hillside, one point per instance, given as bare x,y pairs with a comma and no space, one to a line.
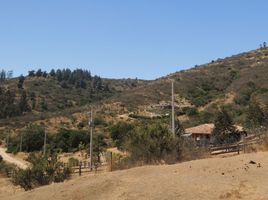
233,81
55,94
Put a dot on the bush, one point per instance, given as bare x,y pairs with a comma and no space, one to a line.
32,139
68,140
120,133
5,168
151,143
44,171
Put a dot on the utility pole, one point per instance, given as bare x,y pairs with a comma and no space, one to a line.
21,142
45,141
7,138
173,110
91,125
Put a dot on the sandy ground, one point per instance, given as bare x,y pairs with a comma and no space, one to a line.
208,179
9,158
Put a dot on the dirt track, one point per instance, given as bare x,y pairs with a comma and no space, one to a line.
208,179
8,158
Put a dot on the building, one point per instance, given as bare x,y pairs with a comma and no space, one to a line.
203,133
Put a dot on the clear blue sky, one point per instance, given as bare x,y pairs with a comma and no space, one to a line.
127,38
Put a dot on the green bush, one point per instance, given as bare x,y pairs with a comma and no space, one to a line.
44,171
153,142
68,140
32,139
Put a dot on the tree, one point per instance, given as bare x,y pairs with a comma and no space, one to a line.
21,81
43,103
255,116
31,73
99,145
33,99
153,142
23,104
52,73
44,74
59,75
33,138
8,108
39,73
224,131
120,132
2,76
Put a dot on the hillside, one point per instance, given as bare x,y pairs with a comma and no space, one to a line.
214,178
233,81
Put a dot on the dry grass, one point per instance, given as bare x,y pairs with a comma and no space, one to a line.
215,178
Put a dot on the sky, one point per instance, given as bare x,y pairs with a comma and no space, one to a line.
146,39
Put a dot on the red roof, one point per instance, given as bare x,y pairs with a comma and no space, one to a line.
206,129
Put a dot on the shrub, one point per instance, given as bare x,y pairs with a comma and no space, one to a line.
151,143
44,171
32,139
68,140
120,133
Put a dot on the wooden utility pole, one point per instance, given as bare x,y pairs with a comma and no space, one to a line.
45,142
91,125
173,110
21,142
7,138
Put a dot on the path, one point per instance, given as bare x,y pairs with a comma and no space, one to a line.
8,158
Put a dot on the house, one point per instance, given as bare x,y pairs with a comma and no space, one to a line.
200,132
203,133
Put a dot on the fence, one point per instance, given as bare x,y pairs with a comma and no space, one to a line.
236,147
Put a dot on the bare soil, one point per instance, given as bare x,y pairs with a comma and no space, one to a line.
233,177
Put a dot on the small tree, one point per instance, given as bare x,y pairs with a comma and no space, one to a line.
255,116
21,81
23,104
224,131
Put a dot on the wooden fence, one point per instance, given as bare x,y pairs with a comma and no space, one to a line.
236,147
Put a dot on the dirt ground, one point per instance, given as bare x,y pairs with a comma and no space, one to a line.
234,177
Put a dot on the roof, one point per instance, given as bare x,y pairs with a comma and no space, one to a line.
207,129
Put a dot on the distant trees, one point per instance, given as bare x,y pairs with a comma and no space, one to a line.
21,81
263,45
2,76
31,73
8,106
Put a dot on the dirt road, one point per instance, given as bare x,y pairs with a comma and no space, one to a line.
8,158
208,179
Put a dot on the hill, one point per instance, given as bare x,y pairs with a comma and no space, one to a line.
232,82
214,178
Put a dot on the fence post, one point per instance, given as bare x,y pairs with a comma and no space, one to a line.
80,168
111,160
